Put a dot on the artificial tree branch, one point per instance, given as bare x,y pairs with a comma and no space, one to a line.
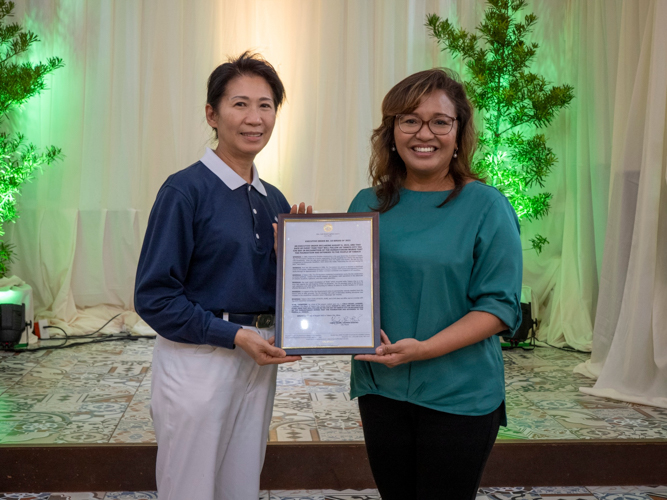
18,159
513,98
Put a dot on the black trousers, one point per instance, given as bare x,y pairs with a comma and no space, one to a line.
417,453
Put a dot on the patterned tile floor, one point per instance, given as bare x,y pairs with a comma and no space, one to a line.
100,393
546,493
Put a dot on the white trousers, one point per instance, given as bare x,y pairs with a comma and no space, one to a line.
211,410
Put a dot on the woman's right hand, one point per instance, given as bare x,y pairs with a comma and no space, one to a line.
263,352
301,208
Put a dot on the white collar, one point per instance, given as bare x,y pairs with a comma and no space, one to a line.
227,175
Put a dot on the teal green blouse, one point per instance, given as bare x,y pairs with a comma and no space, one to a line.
436,265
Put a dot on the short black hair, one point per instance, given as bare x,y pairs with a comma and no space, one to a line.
246,64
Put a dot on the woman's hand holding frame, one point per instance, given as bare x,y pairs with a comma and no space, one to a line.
300,209
392,355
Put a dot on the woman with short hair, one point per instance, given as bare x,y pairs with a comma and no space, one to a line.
206,283
432,397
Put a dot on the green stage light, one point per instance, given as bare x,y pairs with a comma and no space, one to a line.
12,324
16,316
11,297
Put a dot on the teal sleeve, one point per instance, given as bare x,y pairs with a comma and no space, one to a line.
495,283
362,202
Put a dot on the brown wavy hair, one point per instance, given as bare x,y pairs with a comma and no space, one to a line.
387,169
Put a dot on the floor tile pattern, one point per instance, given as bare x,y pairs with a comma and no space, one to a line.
515,493
100,393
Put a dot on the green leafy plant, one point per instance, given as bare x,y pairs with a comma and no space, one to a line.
19,81
514,104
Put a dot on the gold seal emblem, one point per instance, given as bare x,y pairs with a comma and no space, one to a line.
328,228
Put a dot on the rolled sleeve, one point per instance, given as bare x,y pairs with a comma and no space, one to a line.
495,284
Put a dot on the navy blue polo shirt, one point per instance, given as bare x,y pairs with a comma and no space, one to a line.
208,249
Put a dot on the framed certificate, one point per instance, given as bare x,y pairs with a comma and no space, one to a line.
328,287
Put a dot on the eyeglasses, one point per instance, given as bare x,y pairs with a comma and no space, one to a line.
440,125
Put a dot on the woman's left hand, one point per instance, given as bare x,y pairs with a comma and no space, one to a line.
403,351
300,209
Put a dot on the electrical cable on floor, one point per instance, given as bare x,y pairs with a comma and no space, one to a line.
92,341
100,328
56,338
567,349
532,342
66,345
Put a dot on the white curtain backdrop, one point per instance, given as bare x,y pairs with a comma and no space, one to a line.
128,111
630,338
582,42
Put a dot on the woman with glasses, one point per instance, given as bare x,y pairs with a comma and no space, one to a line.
432,397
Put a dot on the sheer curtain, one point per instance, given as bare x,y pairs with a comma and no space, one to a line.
581,41
630,339
128,111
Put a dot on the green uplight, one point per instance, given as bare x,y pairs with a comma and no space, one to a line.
11,297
